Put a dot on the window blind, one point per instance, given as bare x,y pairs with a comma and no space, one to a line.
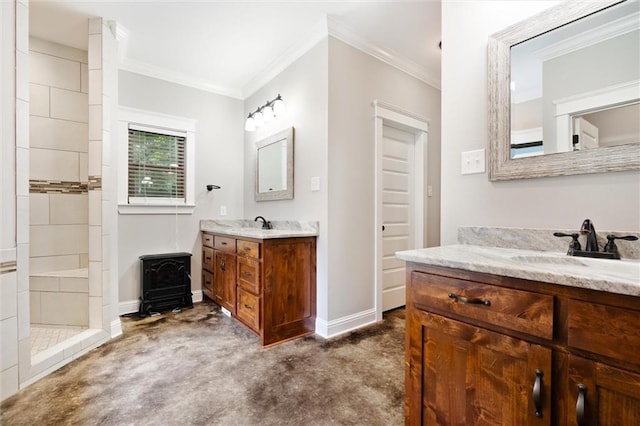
156,164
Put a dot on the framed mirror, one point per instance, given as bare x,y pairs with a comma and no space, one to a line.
274,167
564,92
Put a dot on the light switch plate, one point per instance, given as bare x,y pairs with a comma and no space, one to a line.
315,183
223,210
472,162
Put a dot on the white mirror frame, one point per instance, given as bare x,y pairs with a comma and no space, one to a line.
286,194
501,165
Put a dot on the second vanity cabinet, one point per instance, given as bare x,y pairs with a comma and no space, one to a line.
487,349
267,284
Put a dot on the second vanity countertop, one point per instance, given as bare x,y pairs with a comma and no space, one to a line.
252,229
614,276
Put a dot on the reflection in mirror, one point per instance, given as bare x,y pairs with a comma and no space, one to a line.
559,80
566,82
274,167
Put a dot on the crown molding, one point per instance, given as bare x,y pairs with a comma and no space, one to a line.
346,34
160,73
324,28
590,37
317,33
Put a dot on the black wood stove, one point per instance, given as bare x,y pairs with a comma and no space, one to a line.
165,281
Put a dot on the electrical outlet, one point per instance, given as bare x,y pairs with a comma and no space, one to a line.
429,191
472,162
223,210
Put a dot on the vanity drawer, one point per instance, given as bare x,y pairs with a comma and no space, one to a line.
207,258
586,331
249,249
207,284
248,309
207,240
249,274
224,244
518,310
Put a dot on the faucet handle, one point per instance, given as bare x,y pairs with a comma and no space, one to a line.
611,246
574,245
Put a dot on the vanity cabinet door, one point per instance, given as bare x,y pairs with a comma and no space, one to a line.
601,395
224,280
459,374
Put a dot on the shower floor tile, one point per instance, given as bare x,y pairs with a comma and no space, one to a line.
45,336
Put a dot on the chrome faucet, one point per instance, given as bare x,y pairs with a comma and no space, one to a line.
265,223
590,231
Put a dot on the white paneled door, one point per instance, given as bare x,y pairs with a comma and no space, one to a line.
397,182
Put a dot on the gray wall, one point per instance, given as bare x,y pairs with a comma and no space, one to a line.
219,160
611,200
303,86
355,81
329,93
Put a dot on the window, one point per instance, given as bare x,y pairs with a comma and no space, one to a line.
159,157
156,165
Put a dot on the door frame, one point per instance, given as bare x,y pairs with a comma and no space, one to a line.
387,114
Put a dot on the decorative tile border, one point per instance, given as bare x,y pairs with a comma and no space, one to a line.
95,183
57,187
8,267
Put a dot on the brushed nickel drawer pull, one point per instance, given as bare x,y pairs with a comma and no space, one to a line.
247,248
248,307
224,243
246,274
470,300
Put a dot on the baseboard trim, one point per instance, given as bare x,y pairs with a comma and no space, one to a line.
345,324
130,306
116,328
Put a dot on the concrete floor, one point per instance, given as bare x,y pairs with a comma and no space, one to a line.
199,367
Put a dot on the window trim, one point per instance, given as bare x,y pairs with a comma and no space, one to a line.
158,122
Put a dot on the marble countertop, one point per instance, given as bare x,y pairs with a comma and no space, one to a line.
614,276
252,229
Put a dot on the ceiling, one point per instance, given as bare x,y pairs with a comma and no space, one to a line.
234,47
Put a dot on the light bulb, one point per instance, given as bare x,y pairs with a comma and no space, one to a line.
250,124
258,119
278,107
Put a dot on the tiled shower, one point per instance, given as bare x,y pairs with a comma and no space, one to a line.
58,193
19,366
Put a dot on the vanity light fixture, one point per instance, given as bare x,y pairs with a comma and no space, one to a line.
264,114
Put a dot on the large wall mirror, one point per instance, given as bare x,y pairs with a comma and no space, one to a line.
274,167
564,92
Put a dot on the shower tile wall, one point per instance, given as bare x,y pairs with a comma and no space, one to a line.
58,181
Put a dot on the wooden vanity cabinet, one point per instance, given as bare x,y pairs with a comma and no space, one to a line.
269,285
486,349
